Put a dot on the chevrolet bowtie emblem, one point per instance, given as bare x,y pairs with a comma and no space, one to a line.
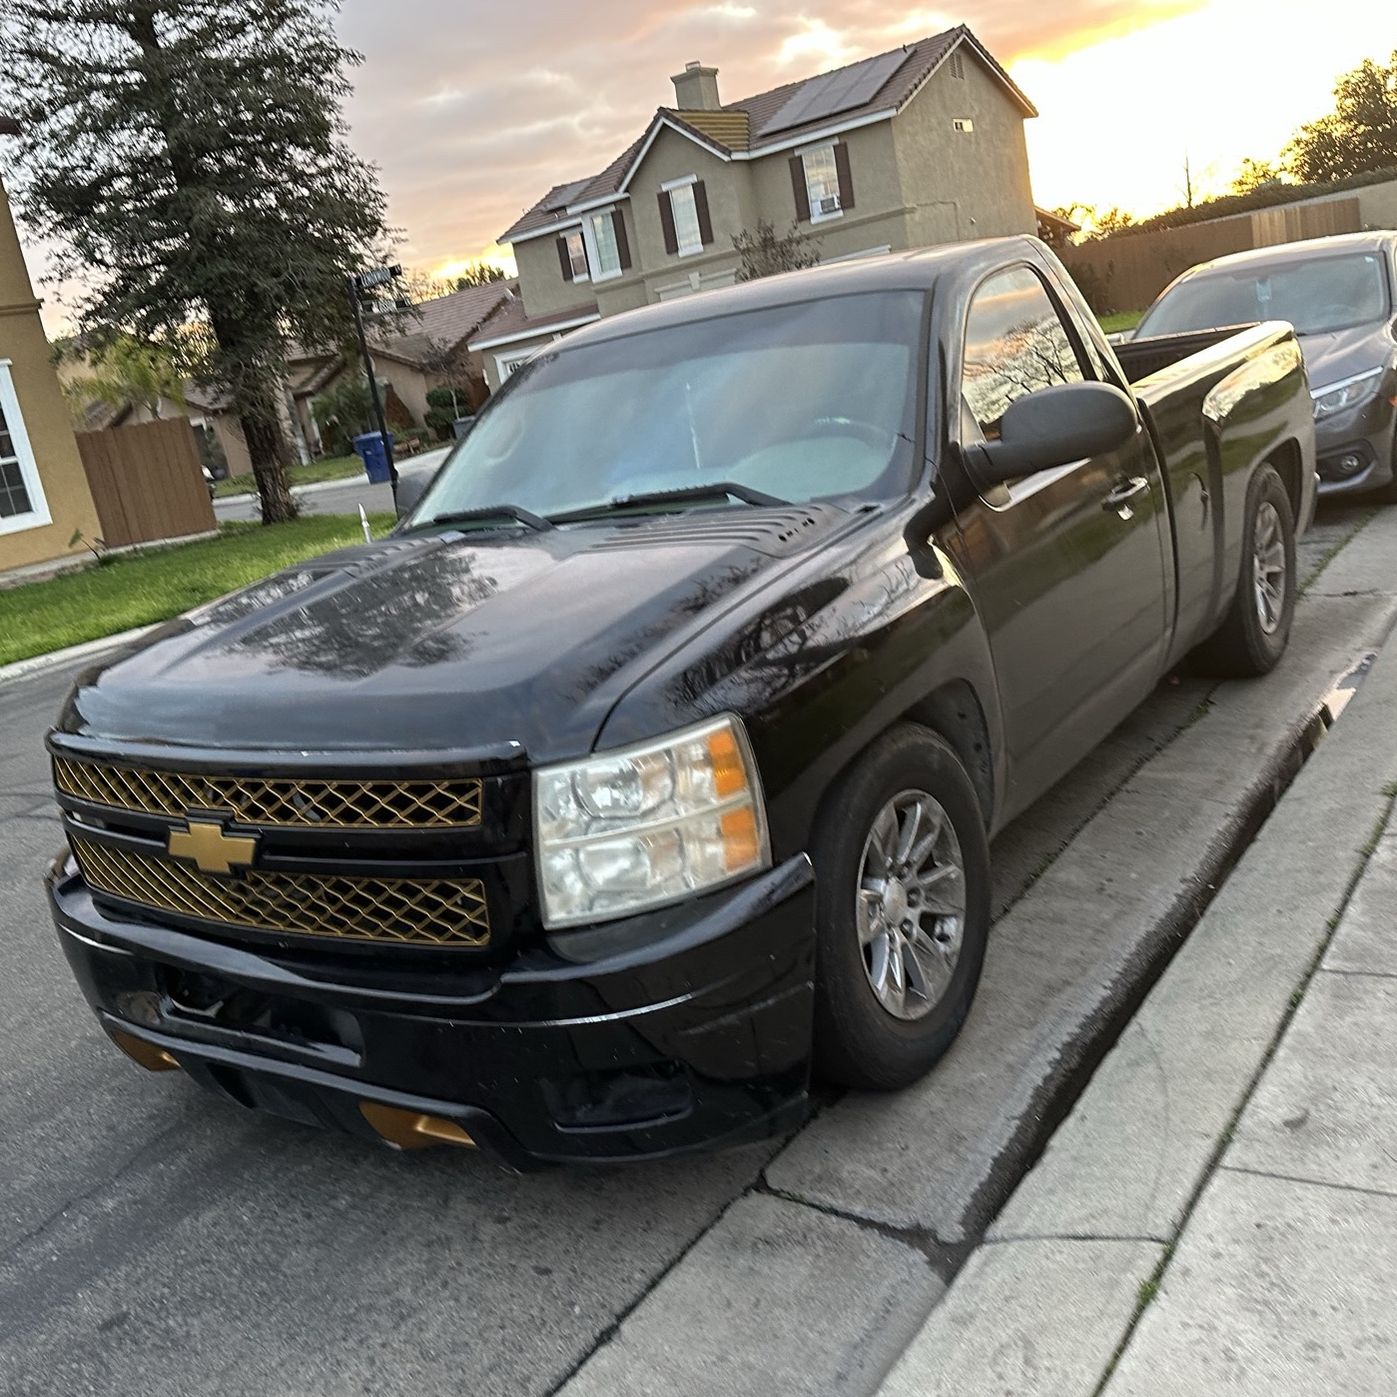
206,844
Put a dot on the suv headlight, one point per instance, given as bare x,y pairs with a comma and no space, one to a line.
623,831
1338,396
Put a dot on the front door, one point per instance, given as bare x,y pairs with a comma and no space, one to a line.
1067,564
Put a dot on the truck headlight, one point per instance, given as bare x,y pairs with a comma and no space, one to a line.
1350,392
631,829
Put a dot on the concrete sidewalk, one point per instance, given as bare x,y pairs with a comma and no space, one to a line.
1219,1211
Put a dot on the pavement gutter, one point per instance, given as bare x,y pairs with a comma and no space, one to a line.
1048,1302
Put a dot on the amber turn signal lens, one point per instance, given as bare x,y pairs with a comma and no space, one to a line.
150,1057
742,843
729,772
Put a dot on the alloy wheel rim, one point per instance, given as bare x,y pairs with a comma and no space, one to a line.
910,904
1268,568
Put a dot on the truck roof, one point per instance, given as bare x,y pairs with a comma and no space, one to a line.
915,269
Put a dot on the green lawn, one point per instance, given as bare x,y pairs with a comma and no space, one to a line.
1121,320
331,468
139,588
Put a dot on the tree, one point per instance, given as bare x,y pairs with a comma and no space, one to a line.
128,371
343,412
189,159
765,252
444,406
480,274
1255,174
1359,135
1111,222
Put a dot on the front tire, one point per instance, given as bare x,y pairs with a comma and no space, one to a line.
1256,630
902,911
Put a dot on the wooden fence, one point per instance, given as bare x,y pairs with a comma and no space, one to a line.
146,482
1127,273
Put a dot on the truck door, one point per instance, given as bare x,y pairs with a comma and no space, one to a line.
1067,565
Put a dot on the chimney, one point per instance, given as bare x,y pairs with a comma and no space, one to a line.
696,88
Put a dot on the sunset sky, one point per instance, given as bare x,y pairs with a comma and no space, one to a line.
472,111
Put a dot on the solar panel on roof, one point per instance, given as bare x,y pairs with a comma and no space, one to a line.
836,92
561,198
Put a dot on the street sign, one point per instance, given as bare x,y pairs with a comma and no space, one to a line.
376,276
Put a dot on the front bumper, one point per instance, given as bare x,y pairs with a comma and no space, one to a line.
677,1031
1356,450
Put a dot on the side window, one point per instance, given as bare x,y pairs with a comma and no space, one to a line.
1015,344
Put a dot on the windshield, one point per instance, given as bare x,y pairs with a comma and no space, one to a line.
801,402
1317,295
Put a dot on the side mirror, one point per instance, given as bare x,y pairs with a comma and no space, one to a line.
1052,427
412,485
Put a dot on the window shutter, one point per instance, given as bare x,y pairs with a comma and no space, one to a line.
623,245
667,223
846,182
798,188
701,209
565,259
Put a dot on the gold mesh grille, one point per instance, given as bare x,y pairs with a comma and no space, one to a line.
276,800
415,911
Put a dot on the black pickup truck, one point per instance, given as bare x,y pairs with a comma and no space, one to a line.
651,763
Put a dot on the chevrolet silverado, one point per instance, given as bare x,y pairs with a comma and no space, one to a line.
650,765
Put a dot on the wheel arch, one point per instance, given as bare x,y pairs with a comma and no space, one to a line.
1289,463
954,713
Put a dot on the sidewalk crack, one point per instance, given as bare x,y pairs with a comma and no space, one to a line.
1077,1237
1312,1183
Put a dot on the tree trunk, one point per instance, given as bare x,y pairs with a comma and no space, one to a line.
268,452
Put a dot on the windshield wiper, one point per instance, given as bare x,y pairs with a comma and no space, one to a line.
495,514
716,490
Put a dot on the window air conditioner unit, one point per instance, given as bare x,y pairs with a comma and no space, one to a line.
829,204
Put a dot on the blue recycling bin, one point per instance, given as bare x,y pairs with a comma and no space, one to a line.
369,449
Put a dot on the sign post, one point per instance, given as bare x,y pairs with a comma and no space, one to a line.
358,284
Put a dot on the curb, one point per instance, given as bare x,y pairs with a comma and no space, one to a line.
1077,1253
36,664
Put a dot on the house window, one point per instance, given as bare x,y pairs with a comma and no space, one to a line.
688,235
577,254
22,503
822,183
603,253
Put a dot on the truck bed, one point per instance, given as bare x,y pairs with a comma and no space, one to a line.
1191,390
1142,357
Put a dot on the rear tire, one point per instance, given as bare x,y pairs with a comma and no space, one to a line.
1254,634
902,911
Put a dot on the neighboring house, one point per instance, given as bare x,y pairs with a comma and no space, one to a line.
918,146
44,495
428,349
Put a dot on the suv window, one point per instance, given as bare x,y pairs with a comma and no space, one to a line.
1015,344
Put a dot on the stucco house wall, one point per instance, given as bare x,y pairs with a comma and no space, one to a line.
963,184
38,421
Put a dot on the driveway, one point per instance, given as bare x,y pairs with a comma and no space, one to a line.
157,1240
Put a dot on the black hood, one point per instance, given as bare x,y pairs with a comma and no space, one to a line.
443,642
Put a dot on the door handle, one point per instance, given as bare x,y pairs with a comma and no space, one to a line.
1118,501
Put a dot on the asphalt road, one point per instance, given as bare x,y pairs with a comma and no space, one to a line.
156,1240
333,499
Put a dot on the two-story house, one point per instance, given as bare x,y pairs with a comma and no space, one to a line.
918,146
